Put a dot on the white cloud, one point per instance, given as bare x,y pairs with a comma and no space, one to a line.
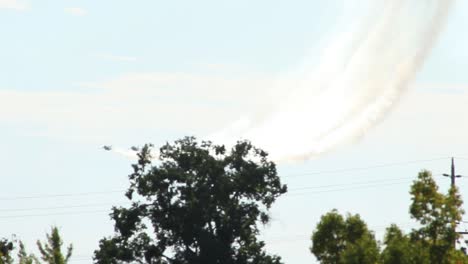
13,4
76,11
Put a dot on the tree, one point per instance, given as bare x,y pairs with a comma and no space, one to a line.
399,249
24,257
328,239
339,240
200,204
438,215
51,250
5,251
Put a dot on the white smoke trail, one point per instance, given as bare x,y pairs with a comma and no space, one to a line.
130,154
360,78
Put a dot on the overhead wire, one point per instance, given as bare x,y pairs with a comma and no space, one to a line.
310,190
287,175
358,185
348,184
58,195
365,168
54,207
347,189
53,214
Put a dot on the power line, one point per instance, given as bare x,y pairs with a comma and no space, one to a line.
53,214
365,186
326,187
306,237
121,191
58,195
293,175
346,189
348,184
55,207
293,191
365,168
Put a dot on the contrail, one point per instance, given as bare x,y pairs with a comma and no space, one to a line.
361,76
130,154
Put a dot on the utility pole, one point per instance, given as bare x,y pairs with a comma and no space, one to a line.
452,177
452,174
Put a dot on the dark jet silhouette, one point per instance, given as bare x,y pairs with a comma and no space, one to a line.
108,148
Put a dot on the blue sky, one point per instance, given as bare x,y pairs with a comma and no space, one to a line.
77,74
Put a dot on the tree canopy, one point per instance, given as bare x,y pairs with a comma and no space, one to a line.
401,249
339,240
6,247
432,242
198,203
438,215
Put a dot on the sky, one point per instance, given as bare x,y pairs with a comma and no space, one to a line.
77,74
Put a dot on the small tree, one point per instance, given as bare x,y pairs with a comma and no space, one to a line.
5,251
400,249
51,250
202,202
328,239
24,257
339,240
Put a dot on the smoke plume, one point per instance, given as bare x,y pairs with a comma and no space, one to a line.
360,77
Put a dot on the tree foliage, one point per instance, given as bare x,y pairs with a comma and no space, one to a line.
438,215
339,240
198,204
24,257
333,241
401,249
6,247
51,249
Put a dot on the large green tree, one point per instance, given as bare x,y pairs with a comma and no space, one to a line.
339,240
199,203
438,215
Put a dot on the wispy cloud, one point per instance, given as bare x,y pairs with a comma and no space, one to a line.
13,4
135,103
112,57
76,11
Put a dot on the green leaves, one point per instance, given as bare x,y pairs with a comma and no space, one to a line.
5,251
438,214
348,241
24,257
51,249
401,249
200,204
339,240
